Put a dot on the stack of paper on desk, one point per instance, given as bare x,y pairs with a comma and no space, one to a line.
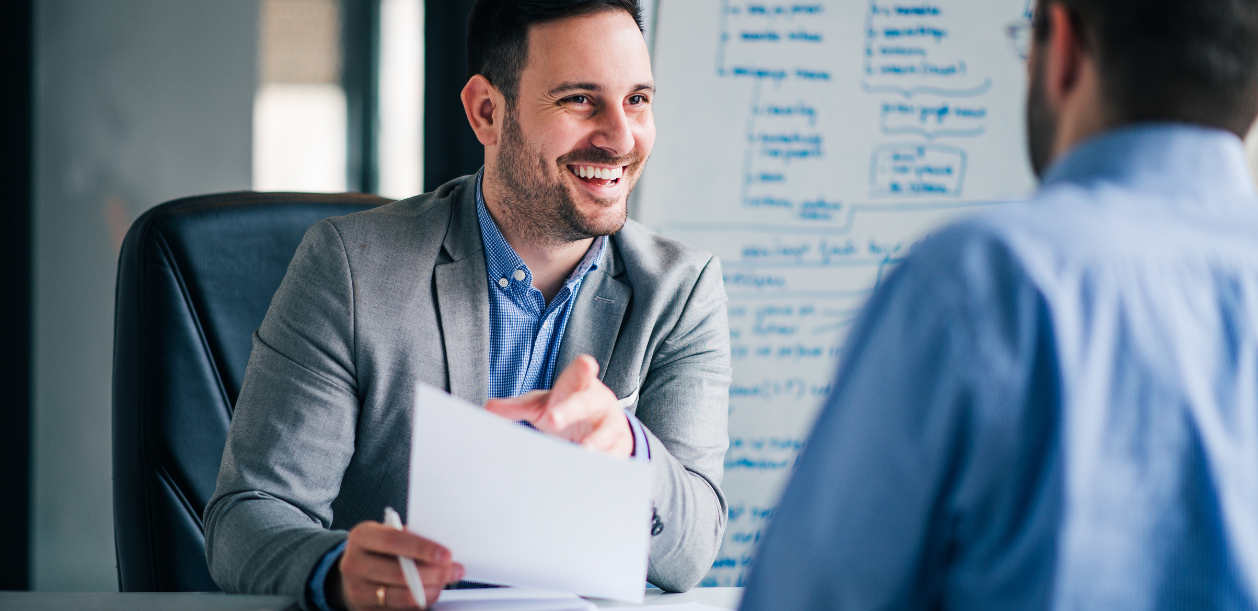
517,507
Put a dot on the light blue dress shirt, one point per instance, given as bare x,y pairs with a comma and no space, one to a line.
1048,406
525,334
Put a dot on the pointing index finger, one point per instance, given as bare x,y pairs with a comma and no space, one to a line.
579,375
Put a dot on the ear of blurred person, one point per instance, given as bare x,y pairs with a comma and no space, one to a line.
1065,105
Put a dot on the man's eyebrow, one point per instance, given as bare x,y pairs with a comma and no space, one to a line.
576,86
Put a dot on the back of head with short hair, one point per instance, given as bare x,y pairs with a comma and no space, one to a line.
498,34
1194,61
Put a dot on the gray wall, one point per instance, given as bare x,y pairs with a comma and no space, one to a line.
136,102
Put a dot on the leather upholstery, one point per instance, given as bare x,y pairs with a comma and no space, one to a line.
195,278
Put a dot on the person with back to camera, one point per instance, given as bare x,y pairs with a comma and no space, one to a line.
522,287
1055,405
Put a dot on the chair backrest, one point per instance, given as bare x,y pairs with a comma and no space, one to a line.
195,278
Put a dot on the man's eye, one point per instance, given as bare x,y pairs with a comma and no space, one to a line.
579,99
637,99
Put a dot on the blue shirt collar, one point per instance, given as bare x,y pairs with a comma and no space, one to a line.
501,260
1167,157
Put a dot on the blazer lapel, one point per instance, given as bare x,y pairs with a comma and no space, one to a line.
596,316
463,302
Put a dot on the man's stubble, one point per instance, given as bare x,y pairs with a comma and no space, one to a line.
537,204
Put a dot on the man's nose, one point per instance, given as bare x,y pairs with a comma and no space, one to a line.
614,133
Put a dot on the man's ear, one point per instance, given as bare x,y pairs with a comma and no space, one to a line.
1065,51
484,106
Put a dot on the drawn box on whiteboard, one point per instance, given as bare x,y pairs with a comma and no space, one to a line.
917,170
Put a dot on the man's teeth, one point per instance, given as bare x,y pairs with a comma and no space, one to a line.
589,171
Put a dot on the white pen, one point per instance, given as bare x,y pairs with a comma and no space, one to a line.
393,520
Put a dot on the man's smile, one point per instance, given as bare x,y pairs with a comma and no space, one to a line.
597,175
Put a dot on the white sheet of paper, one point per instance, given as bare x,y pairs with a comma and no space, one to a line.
517,507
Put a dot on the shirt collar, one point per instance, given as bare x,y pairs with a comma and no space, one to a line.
1166,157
501,260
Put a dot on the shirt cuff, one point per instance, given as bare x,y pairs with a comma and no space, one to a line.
641,446
317,596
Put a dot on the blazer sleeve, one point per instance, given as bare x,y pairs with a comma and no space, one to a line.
292,433
684,404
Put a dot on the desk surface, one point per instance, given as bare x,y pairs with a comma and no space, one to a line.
145,601
201,601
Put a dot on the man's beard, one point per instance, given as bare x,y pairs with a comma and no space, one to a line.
1041,123
537,203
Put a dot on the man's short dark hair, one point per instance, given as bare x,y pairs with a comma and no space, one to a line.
1193,61
498,33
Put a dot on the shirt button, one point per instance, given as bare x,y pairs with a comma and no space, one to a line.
519,274
502,282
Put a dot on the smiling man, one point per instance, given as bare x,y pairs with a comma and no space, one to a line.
523,288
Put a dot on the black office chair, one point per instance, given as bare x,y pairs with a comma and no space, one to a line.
195,278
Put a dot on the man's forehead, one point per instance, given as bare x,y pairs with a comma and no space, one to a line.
597,52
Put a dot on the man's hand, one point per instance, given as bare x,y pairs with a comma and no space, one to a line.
578,408
370,563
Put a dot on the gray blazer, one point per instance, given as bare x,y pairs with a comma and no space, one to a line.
376,301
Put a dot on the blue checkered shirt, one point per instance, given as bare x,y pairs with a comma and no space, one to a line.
524,331
524,337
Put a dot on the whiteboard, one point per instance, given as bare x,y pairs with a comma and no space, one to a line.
809,145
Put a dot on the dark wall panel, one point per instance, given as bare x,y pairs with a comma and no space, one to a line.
450,147
15,298
360,37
